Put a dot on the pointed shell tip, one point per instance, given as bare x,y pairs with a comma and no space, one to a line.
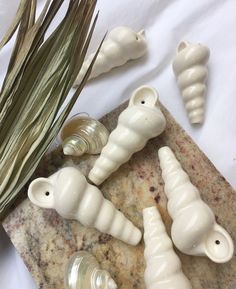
164,150
196,120
68,151
136,237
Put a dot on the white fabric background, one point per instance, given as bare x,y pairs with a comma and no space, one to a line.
166,23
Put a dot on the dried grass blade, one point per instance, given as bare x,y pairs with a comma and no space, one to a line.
32,13
14,25
23,28
26,51
51,87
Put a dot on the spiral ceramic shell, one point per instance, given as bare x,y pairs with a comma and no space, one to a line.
163,266
139,122
191,72
83,134
68,192
121,45
84,272
194,230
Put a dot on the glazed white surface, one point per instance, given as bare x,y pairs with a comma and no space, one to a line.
194,229
165,23
68,192
163,266
190,68
139,122
121,45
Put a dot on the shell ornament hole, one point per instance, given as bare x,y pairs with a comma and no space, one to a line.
47,194
217,242
143,101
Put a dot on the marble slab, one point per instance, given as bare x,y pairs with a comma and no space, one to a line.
46,241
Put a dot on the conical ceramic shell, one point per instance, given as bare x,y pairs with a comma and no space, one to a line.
68,192
194,230
190,68
163,266
139,122
122,44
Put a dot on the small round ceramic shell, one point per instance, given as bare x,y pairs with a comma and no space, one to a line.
82,134
83,272
194,230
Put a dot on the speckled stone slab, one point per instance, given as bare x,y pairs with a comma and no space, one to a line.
46,241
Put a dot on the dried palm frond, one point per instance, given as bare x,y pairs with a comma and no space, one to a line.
40,75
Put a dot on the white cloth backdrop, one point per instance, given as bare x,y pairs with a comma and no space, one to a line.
166,23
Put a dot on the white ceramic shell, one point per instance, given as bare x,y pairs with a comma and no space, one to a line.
191,72
139,122
194,230
163,266
84,272
68,192
122,44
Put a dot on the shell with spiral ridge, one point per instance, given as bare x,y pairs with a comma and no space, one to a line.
84,272
163,267
122,44
191,72
139,122
194,230
68,192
